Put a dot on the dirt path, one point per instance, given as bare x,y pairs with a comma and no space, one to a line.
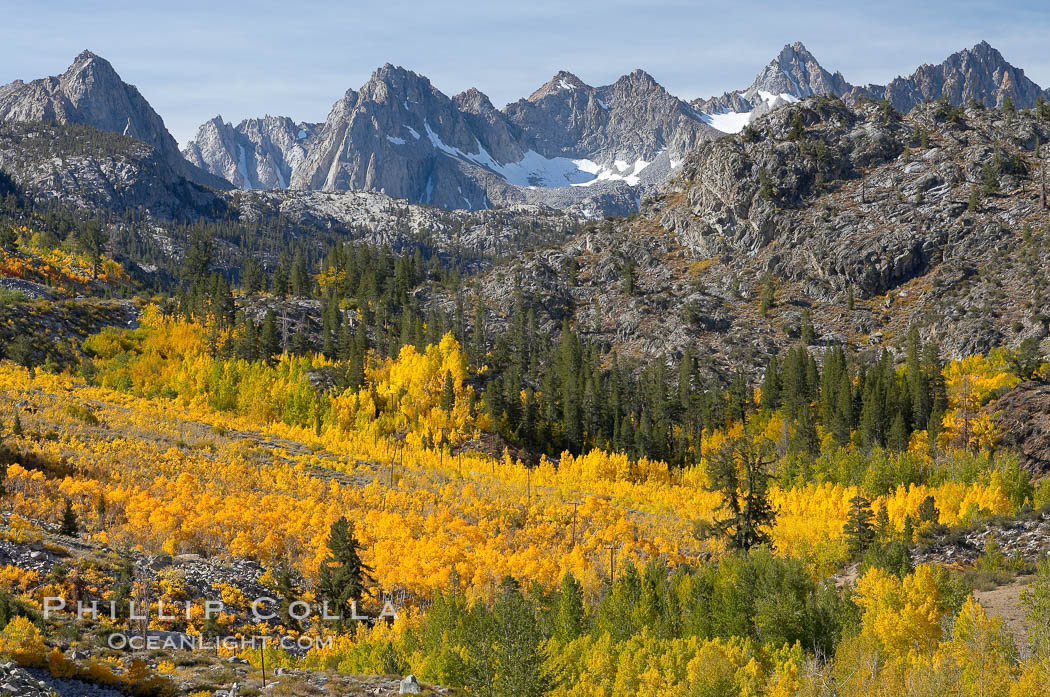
1005,602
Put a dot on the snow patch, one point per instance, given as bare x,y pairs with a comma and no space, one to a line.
620,171
395,140
564,84
242,167
532,169
301,134
735,121
603,105
413,131
729,122
771,99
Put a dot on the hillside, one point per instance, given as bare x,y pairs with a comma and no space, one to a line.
782,431
820,202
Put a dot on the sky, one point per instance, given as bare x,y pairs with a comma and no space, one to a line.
193,59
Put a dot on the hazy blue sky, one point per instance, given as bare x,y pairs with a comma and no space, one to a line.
194,59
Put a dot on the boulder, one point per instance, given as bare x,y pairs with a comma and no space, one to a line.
410,686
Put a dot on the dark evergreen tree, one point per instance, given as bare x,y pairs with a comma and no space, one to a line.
570,617
739,472
285,582
858,530
91,241
69,525
448,393
300,278
269,340
343,578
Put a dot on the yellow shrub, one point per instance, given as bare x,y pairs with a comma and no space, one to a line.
21,640
100,673
59,666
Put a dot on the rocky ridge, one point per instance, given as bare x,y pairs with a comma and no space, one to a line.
979,73
567,145
477,238
91,170
825,201
255,154
91,93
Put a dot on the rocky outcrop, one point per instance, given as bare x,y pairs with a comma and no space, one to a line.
1022,417
795,71
91,93
474,238
1027,538
827,201
256,154
29,682
93,170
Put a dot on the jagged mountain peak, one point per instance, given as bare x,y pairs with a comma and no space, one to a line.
978,73
89,58
639,77
983,53
91,93
86,56
398,85
563,81
636,83
396,74
259,153
473,101
796,72
794,50
401,135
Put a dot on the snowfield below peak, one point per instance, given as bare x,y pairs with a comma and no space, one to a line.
735,121
535,170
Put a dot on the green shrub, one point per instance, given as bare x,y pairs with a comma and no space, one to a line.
82,413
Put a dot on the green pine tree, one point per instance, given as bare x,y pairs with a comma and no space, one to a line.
767,295
570,616
520,663
797,127
858,530
343,576
286,591
300,278
908,530
928,512
69,521
269,339
739,471
448,393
